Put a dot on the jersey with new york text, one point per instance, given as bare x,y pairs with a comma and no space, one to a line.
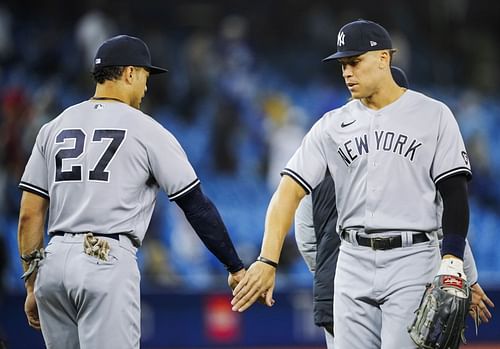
385,163
101,164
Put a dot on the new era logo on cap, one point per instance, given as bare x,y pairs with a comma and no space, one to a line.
360,36
97,61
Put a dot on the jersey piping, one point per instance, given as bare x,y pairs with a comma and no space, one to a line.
34,189
453,172
186,189
294,175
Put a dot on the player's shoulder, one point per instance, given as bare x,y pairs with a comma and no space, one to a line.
339,113
424,101
53,124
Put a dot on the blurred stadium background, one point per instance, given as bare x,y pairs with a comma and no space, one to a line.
245,83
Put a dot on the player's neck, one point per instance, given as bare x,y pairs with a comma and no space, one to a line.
111,91
383,96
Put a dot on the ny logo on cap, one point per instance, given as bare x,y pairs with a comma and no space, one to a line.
340,39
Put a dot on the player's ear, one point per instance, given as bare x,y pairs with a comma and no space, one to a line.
384,59
128,73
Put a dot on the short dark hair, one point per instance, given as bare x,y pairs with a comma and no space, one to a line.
107,73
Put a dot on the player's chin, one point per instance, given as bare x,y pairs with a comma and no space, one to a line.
355,92
356,95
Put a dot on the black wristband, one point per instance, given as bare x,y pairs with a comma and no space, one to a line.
267,261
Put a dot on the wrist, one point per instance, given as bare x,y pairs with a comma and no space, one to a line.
453,244
267,261
235,267
30,287
238,272
452,266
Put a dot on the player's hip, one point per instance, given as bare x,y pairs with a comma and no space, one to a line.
81,262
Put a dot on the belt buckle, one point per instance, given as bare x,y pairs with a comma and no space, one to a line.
379,243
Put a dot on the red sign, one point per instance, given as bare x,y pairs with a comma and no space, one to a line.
222,325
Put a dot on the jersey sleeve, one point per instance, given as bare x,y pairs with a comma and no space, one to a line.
170,165
35,176
470,268
450,157
308,165
305,235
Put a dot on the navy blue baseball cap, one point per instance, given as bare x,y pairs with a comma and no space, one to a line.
125,50
358,37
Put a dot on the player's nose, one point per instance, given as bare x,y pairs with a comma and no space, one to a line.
346,71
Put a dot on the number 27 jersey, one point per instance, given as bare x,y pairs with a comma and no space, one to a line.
101,164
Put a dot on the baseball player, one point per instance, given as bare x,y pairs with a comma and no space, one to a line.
97,168
315,222
318,243
400,170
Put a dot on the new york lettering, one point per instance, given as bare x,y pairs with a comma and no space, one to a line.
387,141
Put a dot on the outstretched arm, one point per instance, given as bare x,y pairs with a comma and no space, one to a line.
207,223
260,277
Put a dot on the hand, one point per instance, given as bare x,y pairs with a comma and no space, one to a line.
234,278
479,304
31,310
258,282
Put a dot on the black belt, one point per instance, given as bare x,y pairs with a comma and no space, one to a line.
385,243
115,236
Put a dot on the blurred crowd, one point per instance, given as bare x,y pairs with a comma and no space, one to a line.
245,84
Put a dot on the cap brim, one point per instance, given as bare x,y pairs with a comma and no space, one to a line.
343,54
156,70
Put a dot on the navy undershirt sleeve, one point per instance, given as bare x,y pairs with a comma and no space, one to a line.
455,221
207,223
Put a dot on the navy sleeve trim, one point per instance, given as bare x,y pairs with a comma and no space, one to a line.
452,172
297,179
184,191
34,189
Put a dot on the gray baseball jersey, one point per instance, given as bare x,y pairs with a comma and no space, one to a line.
105,156
385,163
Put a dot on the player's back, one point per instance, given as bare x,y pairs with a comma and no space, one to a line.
100,158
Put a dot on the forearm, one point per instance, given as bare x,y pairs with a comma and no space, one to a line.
31,228
279,217
208,225
455,221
